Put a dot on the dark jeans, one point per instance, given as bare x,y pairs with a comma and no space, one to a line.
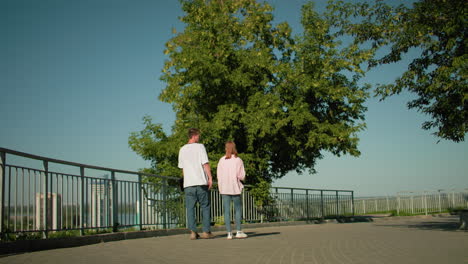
200,194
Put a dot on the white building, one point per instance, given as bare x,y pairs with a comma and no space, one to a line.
100,203
54,211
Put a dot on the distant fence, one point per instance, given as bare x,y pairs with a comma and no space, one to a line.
41,200
414,202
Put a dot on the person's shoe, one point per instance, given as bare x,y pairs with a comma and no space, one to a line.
229,236
241,234
206,235
194,236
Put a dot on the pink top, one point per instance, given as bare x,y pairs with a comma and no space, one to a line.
230,172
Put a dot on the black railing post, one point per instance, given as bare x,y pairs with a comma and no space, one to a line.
292,204
307,205
45,202
352,201
82,202
140,205
115,207
2,209
321,203
109,199
337,205
278,205
164,190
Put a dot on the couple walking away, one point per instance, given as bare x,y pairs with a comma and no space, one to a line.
193,160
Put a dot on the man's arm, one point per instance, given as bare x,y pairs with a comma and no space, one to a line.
206,168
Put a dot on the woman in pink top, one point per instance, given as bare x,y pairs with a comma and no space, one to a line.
230,174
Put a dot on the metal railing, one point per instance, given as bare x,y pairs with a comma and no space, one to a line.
295,203
42,200
414,202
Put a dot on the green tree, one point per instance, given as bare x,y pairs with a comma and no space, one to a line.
283,99
438,76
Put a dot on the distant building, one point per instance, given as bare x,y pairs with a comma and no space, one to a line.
54,211
101,201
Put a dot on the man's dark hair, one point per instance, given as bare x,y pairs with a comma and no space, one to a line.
192,132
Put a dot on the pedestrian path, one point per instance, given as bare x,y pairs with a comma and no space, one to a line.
387,240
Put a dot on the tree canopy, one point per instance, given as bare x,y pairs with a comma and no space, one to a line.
437,29
283,98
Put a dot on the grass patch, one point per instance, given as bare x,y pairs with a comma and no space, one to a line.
22,236
405,213
219,220
64,234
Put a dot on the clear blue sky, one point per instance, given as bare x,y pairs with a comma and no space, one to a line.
77,77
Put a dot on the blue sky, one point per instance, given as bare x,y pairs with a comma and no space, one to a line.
77,77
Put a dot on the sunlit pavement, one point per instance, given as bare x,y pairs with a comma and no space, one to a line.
386,240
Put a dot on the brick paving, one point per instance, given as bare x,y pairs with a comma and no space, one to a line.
387,240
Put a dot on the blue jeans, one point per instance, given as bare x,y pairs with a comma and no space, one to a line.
200,194
227,211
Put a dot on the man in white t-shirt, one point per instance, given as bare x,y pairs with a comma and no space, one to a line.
193,161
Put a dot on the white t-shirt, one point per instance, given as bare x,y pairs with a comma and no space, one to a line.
191,159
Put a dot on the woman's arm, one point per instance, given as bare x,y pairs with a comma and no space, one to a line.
241,171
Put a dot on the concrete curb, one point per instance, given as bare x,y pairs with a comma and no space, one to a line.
21,246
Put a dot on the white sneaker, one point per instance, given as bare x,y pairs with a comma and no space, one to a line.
229,236
241,234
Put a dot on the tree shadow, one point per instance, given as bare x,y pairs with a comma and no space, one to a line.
451,226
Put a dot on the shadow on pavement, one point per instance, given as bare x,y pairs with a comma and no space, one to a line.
255,234
439,225
252,234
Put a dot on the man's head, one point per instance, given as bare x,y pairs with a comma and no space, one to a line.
194,134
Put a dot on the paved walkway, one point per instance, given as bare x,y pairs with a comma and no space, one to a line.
402,240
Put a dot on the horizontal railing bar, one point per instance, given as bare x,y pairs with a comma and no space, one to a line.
24,168
36,157
409,193
68,174
304,189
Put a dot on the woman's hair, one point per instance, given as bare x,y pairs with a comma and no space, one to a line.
230,149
